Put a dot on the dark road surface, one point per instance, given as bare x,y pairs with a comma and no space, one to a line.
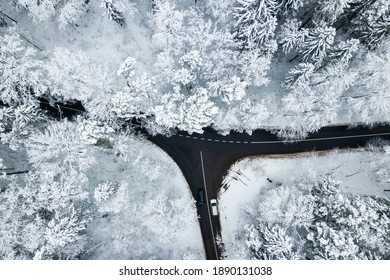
205,158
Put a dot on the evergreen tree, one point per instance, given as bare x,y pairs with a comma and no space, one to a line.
316,44
255,22
291,35
112,12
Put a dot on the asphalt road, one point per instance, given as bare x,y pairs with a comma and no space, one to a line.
205,158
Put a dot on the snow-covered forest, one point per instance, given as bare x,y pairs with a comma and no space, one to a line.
291,66
333,206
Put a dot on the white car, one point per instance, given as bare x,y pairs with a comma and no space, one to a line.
214,208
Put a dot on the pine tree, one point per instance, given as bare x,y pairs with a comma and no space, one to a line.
371,100
316,44
332,9
291,35
112,12
344,51
377,32
255,22
299,75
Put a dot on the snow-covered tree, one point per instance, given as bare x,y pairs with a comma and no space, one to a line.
73,76
42,11
111,197
63,231
168,22
267,241
345,50
21,72
93,131
3,22
253,115
196,112
71,12
299,75
293,5
112,12
126,70
330,244
317,42
288,205
254,67
162,211
377,32
255,22
234,90
16,123
104,191
38,212
348,227
371,99
291,35
59,144
332,9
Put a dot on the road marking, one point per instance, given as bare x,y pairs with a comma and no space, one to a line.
216,140
209,139
181,135
194,137
231,141
223,141
208,206
246,142
323,139
202,138
238,142
187,136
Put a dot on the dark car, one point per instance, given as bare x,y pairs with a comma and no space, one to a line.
200,198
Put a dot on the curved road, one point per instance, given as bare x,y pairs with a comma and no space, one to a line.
205,158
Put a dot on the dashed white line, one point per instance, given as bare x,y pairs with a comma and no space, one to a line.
216,140
245,142
181,135
209,139
231,141
223,141
325,138
194,137
187,136
202,138
238,142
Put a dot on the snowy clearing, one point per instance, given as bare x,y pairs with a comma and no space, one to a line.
249,178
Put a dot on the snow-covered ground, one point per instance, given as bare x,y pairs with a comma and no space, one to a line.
157,218
250,177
